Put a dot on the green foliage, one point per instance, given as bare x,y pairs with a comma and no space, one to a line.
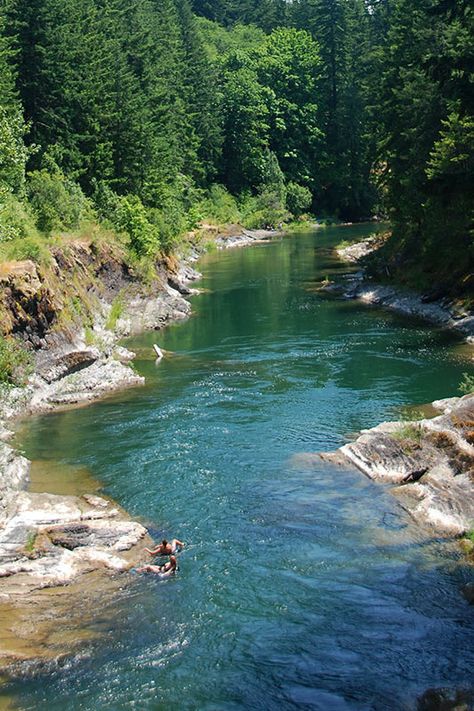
219,206
132,218
15,362
466,386
34,248
452,156
16,222
13,152
409,431
246,124
298,199
143,107
57,202
263,211
115,313
426,127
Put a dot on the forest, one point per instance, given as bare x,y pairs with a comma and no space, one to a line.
146,118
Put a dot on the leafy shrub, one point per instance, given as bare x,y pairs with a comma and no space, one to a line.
298,199
263,211
106,203
132,217
219,205
16,222
58,203
466,386
170,223
15,362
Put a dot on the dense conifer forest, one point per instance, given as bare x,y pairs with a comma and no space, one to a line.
147,117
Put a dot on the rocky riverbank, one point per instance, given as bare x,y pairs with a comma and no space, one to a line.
71,315
428,463
356,285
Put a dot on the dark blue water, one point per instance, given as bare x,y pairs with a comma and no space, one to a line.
303,586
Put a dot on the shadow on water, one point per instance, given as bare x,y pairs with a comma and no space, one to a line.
303,586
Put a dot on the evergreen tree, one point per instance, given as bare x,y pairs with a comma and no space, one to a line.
202,100
13,153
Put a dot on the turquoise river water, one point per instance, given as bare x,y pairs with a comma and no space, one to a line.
303,586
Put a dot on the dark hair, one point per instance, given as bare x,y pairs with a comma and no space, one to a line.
164,542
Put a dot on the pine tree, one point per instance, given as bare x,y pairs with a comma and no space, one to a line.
13,153
202,100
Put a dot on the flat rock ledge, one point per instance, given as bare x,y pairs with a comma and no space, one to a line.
51,540
246,238
62,558
404,301
429,463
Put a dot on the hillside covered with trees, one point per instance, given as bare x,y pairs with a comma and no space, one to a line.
147,117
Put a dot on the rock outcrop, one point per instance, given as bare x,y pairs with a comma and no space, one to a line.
244,238
430,461
51,540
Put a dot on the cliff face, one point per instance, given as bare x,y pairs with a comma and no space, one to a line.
38,299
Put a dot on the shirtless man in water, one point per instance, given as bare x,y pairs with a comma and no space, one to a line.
166,569
166,547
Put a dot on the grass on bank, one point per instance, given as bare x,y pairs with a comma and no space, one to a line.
15,362
116,311
466,386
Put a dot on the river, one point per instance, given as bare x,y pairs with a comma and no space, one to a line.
302,585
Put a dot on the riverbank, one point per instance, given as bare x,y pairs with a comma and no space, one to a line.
357,285
429,464
50,542
75,356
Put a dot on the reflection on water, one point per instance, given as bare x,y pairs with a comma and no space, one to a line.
303,585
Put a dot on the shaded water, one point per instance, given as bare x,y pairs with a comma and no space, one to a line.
303,586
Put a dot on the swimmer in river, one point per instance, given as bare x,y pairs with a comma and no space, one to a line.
166,547
167,569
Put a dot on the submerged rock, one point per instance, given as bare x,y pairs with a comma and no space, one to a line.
446,700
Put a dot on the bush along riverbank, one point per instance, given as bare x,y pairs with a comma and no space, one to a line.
62,321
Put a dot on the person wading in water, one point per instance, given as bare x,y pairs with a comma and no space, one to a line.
166,547
167,569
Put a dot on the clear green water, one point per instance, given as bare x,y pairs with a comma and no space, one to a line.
303,586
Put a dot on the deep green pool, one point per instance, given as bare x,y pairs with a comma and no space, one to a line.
303,586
